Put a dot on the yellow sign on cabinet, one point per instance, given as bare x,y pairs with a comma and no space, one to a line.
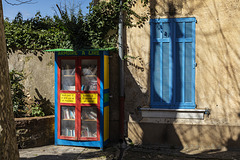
89,98
67,98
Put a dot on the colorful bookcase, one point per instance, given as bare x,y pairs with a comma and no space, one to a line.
81,97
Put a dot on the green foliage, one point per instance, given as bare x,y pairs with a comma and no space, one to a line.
72,22
37,110
35,34
98,29
17,93
20,107
102,19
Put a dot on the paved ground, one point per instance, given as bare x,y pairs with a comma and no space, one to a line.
52,152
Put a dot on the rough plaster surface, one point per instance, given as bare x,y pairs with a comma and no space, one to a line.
217,71
38,69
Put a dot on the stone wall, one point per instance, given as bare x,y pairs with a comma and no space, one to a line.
34,131
38,69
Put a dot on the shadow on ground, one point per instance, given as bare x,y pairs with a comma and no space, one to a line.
53,157
156,153
68,153
130,153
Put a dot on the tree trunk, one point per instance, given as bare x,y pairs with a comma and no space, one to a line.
8,142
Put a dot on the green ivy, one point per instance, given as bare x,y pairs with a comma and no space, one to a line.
98,29
17,93
35,34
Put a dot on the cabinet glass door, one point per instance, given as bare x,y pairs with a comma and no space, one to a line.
89,121
67,121
89,75
68,74
68,98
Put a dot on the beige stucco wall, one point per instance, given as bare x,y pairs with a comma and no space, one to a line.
217,71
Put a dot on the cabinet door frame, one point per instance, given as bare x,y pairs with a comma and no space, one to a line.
78,92
98,100
77,115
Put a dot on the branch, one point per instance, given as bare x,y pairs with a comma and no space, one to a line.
59,10
20,2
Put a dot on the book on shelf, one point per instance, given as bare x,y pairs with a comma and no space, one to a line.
68,113
73,72
93,115
89,114
70,132
72,114
87,132
89,70
89,83
93,86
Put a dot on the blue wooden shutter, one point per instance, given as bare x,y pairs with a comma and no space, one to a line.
161,63
172,63
184,51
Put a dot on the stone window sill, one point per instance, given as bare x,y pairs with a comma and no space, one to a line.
173,113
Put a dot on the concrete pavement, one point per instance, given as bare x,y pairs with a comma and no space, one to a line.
113,152
52,152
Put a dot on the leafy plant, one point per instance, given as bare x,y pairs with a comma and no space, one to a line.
20,106
37,110
17,93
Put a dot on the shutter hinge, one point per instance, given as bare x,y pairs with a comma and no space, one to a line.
195,64
196,21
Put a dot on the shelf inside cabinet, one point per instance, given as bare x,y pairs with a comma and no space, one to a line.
89,120
68,119
68,75
90,75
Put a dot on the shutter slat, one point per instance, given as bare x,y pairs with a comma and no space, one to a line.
188,72
165,75
156,74
179,64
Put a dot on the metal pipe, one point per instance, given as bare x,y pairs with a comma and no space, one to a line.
121,63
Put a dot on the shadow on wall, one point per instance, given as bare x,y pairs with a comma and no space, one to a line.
163,134
219,61
114,99
45,103
167,133
39,54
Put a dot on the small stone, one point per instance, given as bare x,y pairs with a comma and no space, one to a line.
159,156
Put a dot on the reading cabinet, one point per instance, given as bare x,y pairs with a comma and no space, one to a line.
81,97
